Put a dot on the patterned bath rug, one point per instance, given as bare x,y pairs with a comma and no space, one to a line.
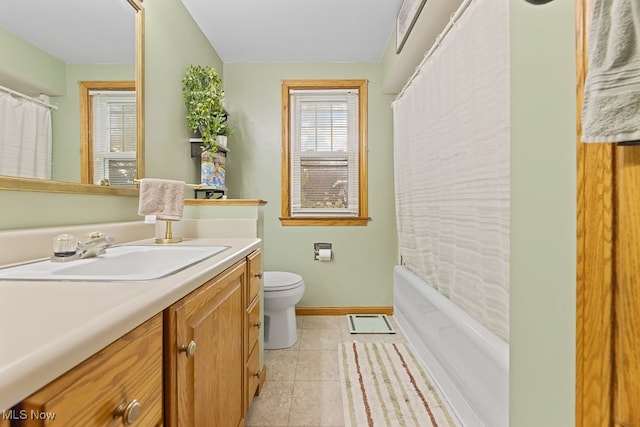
384,385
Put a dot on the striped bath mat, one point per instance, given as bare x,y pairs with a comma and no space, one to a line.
383,385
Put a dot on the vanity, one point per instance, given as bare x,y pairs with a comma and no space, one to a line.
179,350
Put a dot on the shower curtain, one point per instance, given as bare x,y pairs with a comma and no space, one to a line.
451,162
25,138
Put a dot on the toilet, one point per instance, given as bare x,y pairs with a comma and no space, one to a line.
282,291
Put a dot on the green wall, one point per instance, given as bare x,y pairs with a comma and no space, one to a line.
26,68
174,41
26,209
543,214
361,272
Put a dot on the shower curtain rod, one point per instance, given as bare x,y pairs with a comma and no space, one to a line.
452,21
30,98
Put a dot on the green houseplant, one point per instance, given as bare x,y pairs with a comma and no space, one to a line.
204,100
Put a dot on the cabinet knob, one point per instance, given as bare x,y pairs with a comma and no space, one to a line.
129,413
257,324
189,349
258,275
257,374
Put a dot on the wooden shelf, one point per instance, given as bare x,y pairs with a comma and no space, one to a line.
228,202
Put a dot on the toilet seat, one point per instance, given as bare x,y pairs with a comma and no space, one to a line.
281,281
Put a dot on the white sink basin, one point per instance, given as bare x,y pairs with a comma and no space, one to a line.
120,263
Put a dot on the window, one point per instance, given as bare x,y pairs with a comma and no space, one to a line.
324,164
114,137
109,135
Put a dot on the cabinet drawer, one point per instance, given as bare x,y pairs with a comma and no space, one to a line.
254,322
128,370
255,275
253,374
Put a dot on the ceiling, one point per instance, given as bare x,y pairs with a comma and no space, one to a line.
296,30
90,32
74,31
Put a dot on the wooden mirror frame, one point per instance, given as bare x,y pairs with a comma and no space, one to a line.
28,184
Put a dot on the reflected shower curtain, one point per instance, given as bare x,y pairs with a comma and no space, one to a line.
25,138
451,161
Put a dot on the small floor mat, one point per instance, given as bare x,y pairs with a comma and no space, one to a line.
369,324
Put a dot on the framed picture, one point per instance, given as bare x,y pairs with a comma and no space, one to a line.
407,16
212,170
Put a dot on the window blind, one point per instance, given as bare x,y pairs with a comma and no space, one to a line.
324,152
114,137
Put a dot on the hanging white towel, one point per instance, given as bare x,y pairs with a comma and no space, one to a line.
611,108
163,198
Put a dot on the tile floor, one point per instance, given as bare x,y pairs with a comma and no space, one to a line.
303,381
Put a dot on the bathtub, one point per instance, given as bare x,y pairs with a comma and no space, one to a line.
468,363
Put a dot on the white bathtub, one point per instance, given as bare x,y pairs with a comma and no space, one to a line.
469,364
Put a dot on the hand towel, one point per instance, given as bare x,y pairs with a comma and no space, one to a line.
163,198
611,107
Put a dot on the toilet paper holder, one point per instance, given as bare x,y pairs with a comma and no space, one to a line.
318,246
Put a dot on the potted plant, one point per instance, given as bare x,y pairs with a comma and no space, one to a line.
203,96
204,99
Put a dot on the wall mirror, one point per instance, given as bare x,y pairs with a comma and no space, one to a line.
50,47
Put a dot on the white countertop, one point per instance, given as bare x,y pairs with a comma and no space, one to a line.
47,328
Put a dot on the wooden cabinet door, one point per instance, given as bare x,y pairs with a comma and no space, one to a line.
205,386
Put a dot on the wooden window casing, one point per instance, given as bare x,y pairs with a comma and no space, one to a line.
86,123
361,218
